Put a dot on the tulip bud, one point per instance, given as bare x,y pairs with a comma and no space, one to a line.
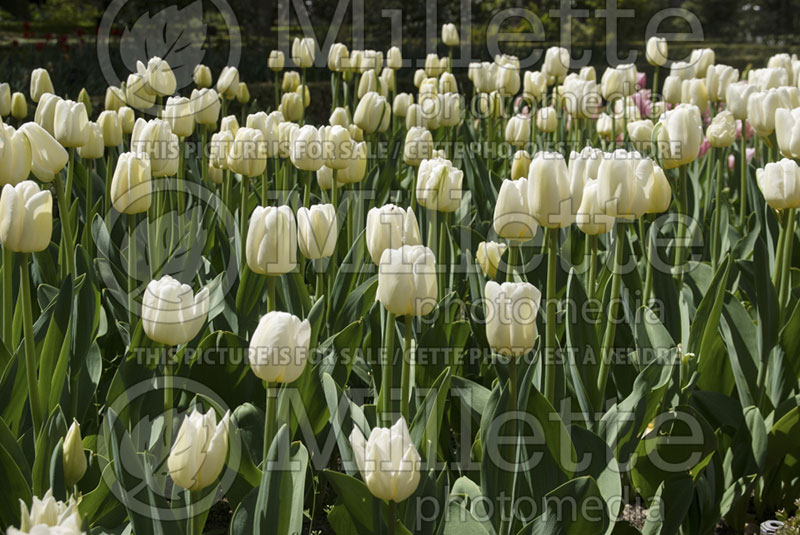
219,147
694,92
368,83
556,64
722,130
109,124
591,217
202,76
276,60
450,114
5,99
407,280
158,76
388,461
303,52
488,256
70,123
672,89
700,60
83,98
507,81
206,105
736,96
439,185
394,58
680,133
338,57
340,117
179,114
534,86
291,81
73,457
546,119
248,153
656,51
761,107
356,164
433,66
512,217
418,145
779,182
242,93
305,149
127,119
131,185
618,82
291,106
518,131
19,108
26,217
272,241
372,113
198,455
171,313
549,195
115,98
48,157
15,157
641,132
94,147
449,34
137,93
617,188
787,129
305,95
317,231
156,139
279,347
228,82
390,227
229,123
655,187
520,164
40,84
511,310
718,78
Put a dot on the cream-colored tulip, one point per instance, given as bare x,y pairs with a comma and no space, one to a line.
672,89
761,107
94,147
19,107
518,131
340,117
641,131
388,461
317,231
779,182
618,82
248,153
655,188
279,347
15,155
512,217
488,257
679,135
290,82
700,60
407,280
228,82
276,60
394,58
439,185
338,57
155,138
511,310
198,455
449,34
736,97
206,105
418,145
390,227
402,101
48,157
70,123
520,164
787,129
305,149
656,51
272,241
718,78
26,217
303,52
179,113
5,99
219,147
73,457
158,76
137,93
591,217
40,84
549,194
115,98
291,106
127,119
172,314
722,130
507,81
768,78
694,92
131,186
556,64
546,119
47,515
372,113
534,85
202,76
110,126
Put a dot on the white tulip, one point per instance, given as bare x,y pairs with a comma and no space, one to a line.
407,280
26,217
512,217
171,313
390,227
779,182
317,231
439,185
279,347
511,310
198,455
272,241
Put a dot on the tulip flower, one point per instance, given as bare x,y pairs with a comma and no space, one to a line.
483,76
219,147
179,114
787,129
109,124
390,227
94,146
137,93
547,119
507,81
722,130
388,461
511,310
279,347
372,113
488,256
549,196
407,280
156,138
291,81
418,145
5,99
761,107
198,455
394,58
70,123
115,98
15,155
680,133
40,84
337,57
291,106
449,34
673,89
19,108
305,149
534,85
520,164
73,457
303,52
448,83
618,192
171,313
518,131
591,217
206,106
618,81
556,64
317,231
271,247
340,117
581,97
201,76
276,61
656,51
356,165
736,97
779,182
228,82
127,119
158,76
247,155
439,185
48,157
768,78
336,145
131,186
694,92
242,93
512,216
718,78
26,217
700,60
48,515
367,83
641,131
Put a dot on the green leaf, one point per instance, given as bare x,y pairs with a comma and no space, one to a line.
565,511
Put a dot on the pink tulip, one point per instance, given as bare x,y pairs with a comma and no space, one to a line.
749,132
750,153
704,146
641,80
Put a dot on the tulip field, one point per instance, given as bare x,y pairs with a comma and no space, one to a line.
519,300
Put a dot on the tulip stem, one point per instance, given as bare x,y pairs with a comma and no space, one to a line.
131,270
405,384
8,297
590,282
786,275
777,269
269,418
743,175
30,345
551,235
386,370
680,229
66,226
242,215
109,176
271,293
392,516
191,521
512,261
648,283
167,397
613,303
716,239
513,399
203,154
